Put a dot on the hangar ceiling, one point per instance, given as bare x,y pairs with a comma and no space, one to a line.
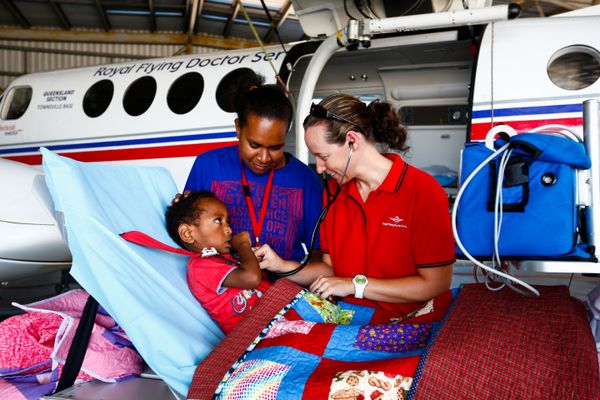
210,23
214,23
40,35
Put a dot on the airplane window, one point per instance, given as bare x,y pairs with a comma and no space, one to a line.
139,95
185,92
98,98
574,67
17,101
228,86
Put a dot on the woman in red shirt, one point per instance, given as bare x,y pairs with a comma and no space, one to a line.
387,238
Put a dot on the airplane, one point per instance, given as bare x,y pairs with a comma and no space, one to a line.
452,74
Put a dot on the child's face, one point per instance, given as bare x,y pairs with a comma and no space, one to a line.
212,228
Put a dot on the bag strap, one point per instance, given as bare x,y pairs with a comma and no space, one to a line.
516,173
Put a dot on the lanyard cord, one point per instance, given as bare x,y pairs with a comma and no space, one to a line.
330,200
256,225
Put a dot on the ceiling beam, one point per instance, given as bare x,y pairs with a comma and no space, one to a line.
231,18
152,16
33,49
283,14
196,9
64,21
123,37
206,6
103,16
186,15
14,10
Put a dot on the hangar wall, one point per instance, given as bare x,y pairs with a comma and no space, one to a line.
24,57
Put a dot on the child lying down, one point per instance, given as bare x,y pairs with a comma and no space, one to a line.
223,273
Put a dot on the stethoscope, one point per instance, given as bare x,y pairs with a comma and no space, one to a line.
331,197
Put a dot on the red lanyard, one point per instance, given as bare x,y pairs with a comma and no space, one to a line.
257,225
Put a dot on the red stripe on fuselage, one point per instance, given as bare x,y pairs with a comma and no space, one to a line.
479,130
140,153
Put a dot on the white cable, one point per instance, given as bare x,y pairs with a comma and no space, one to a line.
498,215
498,221
455,230
558,129
498,202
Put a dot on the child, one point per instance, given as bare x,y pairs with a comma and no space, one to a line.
227,287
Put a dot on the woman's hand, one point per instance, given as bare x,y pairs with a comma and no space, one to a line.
329,286
269,260
178,196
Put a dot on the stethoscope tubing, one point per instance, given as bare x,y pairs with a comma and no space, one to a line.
330,200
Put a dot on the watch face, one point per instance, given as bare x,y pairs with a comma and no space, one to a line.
361,280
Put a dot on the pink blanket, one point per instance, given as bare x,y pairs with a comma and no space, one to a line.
34,347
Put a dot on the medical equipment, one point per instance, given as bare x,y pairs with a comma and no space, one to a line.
528,186
330,199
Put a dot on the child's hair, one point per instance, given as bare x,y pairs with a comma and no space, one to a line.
185,212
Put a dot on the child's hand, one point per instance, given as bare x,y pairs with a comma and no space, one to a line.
241,239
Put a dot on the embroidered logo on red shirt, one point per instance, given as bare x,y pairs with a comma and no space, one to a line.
395,222
240,302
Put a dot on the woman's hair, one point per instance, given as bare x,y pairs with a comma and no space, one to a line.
267,101
185,211
378,122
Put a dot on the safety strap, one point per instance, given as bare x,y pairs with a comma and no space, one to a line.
79,345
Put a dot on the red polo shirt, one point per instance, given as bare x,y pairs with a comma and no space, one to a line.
403,225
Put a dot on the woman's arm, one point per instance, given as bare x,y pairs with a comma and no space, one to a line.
248,275
270,261
428,283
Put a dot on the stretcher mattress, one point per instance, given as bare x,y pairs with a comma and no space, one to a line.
144,290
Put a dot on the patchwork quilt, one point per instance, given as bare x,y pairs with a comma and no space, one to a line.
315,349
467,344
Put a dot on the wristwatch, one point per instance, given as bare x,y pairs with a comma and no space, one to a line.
360,282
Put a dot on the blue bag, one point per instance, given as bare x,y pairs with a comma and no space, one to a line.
539,215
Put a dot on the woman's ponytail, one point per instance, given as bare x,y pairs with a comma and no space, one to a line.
387,127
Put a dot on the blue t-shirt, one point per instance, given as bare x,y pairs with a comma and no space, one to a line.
294,204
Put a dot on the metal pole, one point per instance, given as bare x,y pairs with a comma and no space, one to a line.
442,20
591,136
313,71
